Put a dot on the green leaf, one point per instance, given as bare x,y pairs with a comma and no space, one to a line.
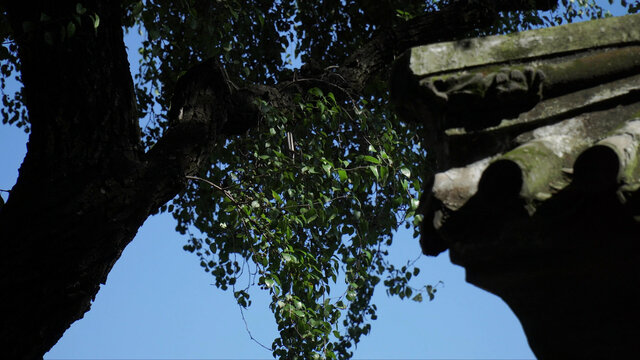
96,20
315,92
374,170
414,203
406,172
371,159
431,292
310,219
269,283
276,196
80,9
261,20
289,258
343,175
71,29
383,172
327,169
405,185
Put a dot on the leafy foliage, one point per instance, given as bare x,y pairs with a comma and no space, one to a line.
306,219
305,205
13,110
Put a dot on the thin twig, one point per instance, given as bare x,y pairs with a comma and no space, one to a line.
227,194
293,206
230,197
325,82
246,325
215,186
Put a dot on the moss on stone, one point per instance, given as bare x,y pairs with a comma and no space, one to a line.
600,67
539,165
455,56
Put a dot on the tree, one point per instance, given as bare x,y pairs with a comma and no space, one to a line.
296,177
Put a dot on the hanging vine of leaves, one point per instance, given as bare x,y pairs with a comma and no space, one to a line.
307,204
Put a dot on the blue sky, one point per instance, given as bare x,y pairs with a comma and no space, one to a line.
159,303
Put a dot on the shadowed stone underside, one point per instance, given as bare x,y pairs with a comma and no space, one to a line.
534,139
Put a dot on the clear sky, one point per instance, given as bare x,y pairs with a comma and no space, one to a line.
159,303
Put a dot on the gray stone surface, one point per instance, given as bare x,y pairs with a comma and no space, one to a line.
432,59
535,139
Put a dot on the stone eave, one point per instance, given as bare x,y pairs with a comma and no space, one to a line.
433,59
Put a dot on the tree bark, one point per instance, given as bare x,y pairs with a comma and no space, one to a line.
86,184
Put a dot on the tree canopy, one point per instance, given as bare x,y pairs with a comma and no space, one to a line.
300,180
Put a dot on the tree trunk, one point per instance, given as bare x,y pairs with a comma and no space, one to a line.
86,185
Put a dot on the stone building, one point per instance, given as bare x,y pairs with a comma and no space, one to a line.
533,139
